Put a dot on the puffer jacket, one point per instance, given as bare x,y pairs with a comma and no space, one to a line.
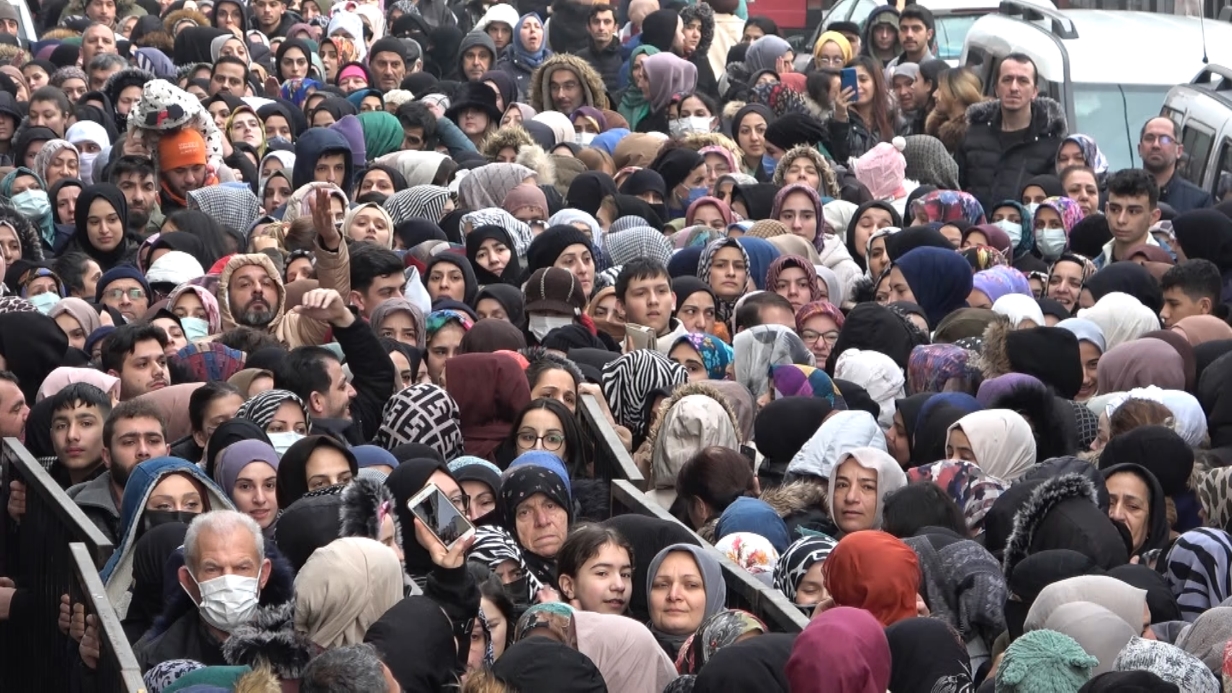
992,174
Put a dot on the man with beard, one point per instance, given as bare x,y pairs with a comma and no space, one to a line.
136,354
135,431
183,166
1160,149
134,176
251,292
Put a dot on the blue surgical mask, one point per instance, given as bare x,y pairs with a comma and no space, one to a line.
1051,243
32,204
696,194
769,163
195,328
1011,229
282,441
44,301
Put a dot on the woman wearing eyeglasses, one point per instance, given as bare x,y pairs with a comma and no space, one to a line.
547,425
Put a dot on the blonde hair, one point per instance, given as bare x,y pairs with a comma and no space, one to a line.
961,86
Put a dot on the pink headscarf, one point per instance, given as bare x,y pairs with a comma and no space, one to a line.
64,376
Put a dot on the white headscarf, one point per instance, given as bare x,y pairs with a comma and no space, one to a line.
877,374
1121,317
1001,439
1019,307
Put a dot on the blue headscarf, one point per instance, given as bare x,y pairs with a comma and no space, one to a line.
520,54
1026,243
761,253
940,279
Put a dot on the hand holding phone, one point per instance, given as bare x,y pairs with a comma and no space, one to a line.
638,337
850,81
438,516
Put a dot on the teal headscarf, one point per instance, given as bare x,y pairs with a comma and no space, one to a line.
45,219
382,133
634,107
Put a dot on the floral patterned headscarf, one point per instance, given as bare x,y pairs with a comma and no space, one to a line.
716,354
1066,208
949,205
440,318
720,630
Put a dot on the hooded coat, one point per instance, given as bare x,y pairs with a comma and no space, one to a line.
594,93
291,329
1063,513
993,173
311,146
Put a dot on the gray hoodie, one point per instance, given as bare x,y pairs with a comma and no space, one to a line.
475,38
96,501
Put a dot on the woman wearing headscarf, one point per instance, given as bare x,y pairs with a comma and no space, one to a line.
536,507
422,413
720,630
491,390
664,76
676,611
1125,277
759,348
634,106
313,463
32,346
1121,317
938,280
798,573
635,379
247,471
493,256
277,411
150,555
993,283
877,373
927,655
102,226
400,320
1140,363
1197,568
1197,329
876,572
624,651
1136,500
724,266
343,589
1000,441
526,51
844,650
1054,219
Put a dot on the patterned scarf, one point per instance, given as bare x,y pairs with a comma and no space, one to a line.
1198,569
262,408
425,414
966,484
720,630
795,562
629,381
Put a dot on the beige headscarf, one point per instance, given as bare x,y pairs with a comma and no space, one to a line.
624,651
1124,600
343,589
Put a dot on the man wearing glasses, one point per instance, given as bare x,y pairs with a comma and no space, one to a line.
1160,150
125,289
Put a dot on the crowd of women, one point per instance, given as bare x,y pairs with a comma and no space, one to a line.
282,276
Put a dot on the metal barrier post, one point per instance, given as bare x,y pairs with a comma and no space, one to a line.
37,557
743,590
117,665
611,459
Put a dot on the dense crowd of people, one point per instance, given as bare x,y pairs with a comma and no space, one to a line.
908,355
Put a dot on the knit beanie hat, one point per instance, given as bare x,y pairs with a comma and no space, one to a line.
1168,662
883,168
181,149
548,246
1044,661
523,196
116,273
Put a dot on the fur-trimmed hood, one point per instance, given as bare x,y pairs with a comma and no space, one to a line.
1063,513
829,181
1047,116
592,83
240,260
31,244
699,140
533,157
694,388
365,503
1055,434
128,77
994,356
514,136
703,12
270,639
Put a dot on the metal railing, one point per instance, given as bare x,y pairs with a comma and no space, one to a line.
612,461
743,590
117,668
36,555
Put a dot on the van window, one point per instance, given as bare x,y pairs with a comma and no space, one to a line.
1225,166
1197,142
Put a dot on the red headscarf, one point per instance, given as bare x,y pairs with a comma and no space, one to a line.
843,650
491,390
874,571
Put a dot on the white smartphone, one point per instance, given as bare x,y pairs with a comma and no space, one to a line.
448,524
638,337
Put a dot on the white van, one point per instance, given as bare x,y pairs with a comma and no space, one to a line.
1202,111
1110,69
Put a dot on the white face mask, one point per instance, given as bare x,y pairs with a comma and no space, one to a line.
541,325
281,441
584,138
1032,208
229,601
1051,243
1011,229
87,167
195,328
688,125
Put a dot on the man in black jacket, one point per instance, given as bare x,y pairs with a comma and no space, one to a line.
1012,138
603,53
1160,149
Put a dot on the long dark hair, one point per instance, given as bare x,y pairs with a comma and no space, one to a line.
882,124
576,444
584,543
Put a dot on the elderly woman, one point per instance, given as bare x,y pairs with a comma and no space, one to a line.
536,507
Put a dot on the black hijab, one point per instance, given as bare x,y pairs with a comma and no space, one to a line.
511,274
756,664
758,199
27,138
510,297
896,220
416,625
293,467
150,555
1126,277
926,655
471,286
872,326
543,664
228,432
648,536
407,479
33,346
588,190
113,196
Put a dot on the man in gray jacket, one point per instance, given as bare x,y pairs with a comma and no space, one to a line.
135,431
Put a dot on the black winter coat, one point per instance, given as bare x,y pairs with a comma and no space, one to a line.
992,174
606,61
